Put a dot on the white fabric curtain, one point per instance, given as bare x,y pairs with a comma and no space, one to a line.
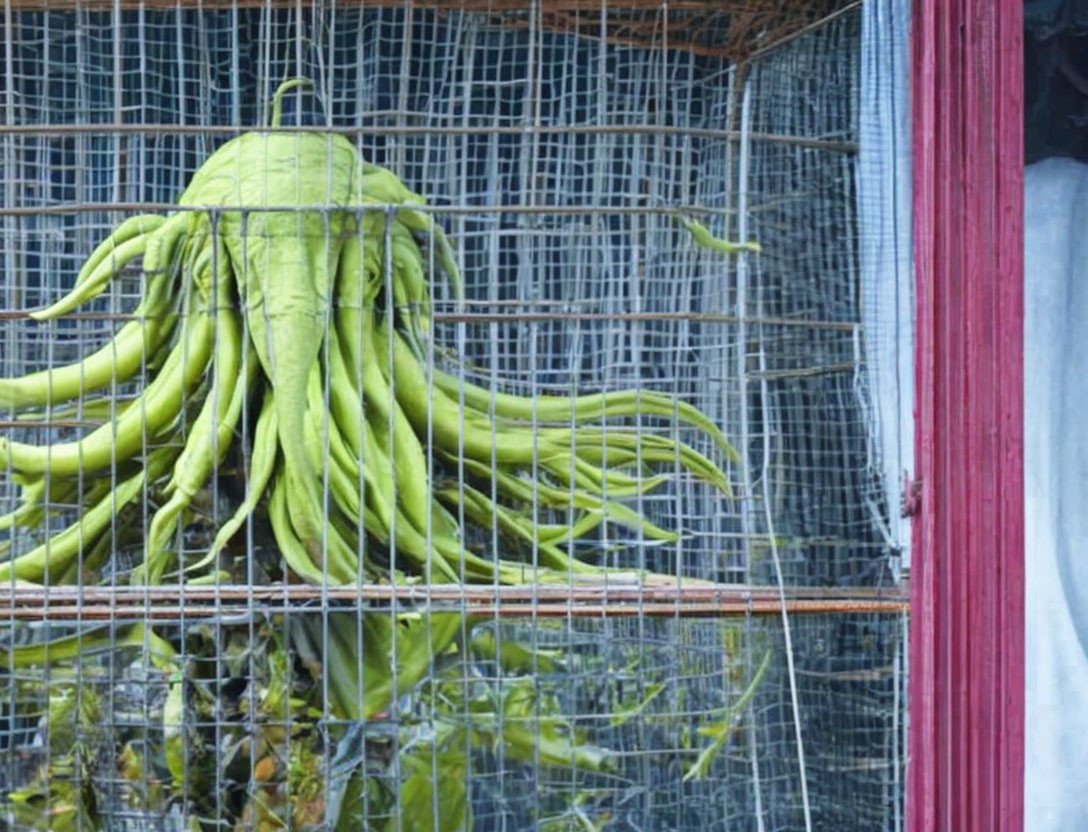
887,277
1056,494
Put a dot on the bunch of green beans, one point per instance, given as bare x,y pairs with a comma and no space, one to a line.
295,283
313,311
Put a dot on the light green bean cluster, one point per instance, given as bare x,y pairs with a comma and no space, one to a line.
314,311
295,283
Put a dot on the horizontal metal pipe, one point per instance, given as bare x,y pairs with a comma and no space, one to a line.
625,599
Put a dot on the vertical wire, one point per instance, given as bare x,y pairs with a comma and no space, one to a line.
563,180
899,733
360,618
734,77
680,287
11,285
428,443
461,340
533,80
81,97
494,351
235,65
394,708
326,425
214,393
742,267
300,24
246,441
747,530
264,61
361,216
325,84
466,39
399,155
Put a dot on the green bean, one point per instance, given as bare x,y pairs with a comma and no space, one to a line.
594,481
339,465
622,447
262,462
84,644
97,280
483,512
123,438
135,226
160,254
394,433
408,264
35,490
99,408
586,523
582,409
57,552
336,551
385,514
92,561
551,497
117,361
285,274
208,438
410,388
702,236
291,547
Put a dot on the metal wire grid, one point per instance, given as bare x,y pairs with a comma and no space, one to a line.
566,315
810,436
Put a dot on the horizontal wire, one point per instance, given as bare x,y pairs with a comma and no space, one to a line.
96,129
367,207
520,317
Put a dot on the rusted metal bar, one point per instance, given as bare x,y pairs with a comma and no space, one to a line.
801,31
522,610
619,587
28,602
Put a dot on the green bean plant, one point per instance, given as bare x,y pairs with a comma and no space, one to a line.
289,299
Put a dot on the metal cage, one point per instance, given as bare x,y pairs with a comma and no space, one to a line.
756,683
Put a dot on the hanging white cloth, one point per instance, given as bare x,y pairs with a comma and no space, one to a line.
887,276
1056,494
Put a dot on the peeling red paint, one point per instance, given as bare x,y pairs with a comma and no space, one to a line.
966,697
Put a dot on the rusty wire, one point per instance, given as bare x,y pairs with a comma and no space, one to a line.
618,599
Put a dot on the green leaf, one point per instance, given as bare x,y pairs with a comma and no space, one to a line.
514,656
622,715
434,798
721,730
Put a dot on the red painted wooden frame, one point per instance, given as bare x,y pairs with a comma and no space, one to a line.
966,698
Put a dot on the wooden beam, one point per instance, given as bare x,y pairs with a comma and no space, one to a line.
966,698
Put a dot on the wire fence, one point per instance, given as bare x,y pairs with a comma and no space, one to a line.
752,682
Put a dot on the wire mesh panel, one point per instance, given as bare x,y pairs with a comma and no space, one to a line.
443,466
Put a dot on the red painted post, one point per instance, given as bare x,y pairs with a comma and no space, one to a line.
966,697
